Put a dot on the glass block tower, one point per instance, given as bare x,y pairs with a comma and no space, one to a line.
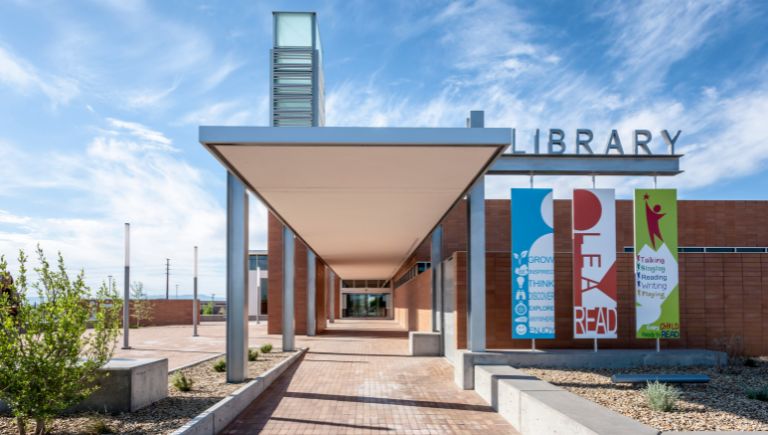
296,67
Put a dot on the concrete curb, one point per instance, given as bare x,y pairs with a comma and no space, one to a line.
533,406
214,419
192,364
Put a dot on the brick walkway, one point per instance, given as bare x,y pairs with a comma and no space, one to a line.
354,382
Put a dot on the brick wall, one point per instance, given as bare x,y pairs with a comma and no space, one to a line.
167,312
413,303
275,286
721,295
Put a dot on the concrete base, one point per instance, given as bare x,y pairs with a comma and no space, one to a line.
464,374
130,384
533,406
424,343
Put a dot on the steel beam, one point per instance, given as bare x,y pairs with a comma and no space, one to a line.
332,296
237,280
289,246
476,255
585,164
436,256
311,293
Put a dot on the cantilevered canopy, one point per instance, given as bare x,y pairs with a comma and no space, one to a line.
361,198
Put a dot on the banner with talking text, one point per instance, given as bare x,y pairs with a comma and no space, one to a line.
657,300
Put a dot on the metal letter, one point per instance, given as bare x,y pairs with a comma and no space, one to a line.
584,142
642,143
614,143
671,141
514,144
556,137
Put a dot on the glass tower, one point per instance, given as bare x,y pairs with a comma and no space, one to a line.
296,59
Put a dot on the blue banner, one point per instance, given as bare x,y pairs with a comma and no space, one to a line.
533,264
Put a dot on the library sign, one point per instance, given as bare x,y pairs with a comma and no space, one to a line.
583,142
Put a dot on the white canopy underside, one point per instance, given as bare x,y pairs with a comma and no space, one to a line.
362,208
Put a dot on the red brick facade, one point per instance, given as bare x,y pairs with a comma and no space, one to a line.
721,295
275,283
167,312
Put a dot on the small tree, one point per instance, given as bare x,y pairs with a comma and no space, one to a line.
48,361
142,307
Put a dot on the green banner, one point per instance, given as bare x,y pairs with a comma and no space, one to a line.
657,295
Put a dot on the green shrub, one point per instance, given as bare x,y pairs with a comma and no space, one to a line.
97,425
182,382
267,348
220,365
48,362
253,354
661,397
208,309
760,393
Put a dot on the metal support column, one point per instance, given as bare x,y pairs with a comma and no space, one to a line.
311,293
476,255
436,256
331,296
237,280
289,244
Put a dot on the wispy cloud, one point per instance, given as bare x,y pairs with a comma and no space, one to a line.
650,36
18,74
232,112
127,173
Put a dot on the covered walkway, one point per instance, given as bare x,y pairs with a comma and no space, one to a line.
357,378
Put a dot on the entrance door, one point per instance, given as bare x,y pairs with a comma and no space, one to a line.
366,305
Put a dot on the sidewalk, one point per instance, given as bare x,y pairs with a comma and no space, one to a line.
363,381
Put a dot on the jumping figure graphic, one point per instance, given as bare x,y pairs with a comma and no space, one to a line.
653,216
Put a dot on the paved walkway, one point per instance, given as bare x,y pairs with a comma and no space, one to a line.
363,381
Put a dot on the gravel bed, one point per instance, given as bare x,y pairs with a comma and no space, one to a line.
168,414
721,405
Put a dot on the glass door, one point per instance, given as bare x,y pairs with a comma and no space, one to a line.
366,305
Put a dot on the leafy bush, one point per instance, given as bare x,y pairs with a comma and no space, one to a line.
267,348
220,365
182,382
760,393
48,362
253,354
208,309
661,397
142,306
97,425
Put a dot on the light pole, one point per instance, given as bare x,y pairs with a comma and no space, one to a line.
126,293
195,309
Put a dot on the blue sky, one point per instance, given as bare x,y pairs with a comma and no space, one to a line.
100,103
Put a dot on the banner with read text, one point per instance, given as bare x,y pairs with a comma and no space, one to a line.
533,264
657,301
595,312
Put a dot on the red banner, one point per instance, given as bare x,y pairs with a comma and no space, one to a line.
594,264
